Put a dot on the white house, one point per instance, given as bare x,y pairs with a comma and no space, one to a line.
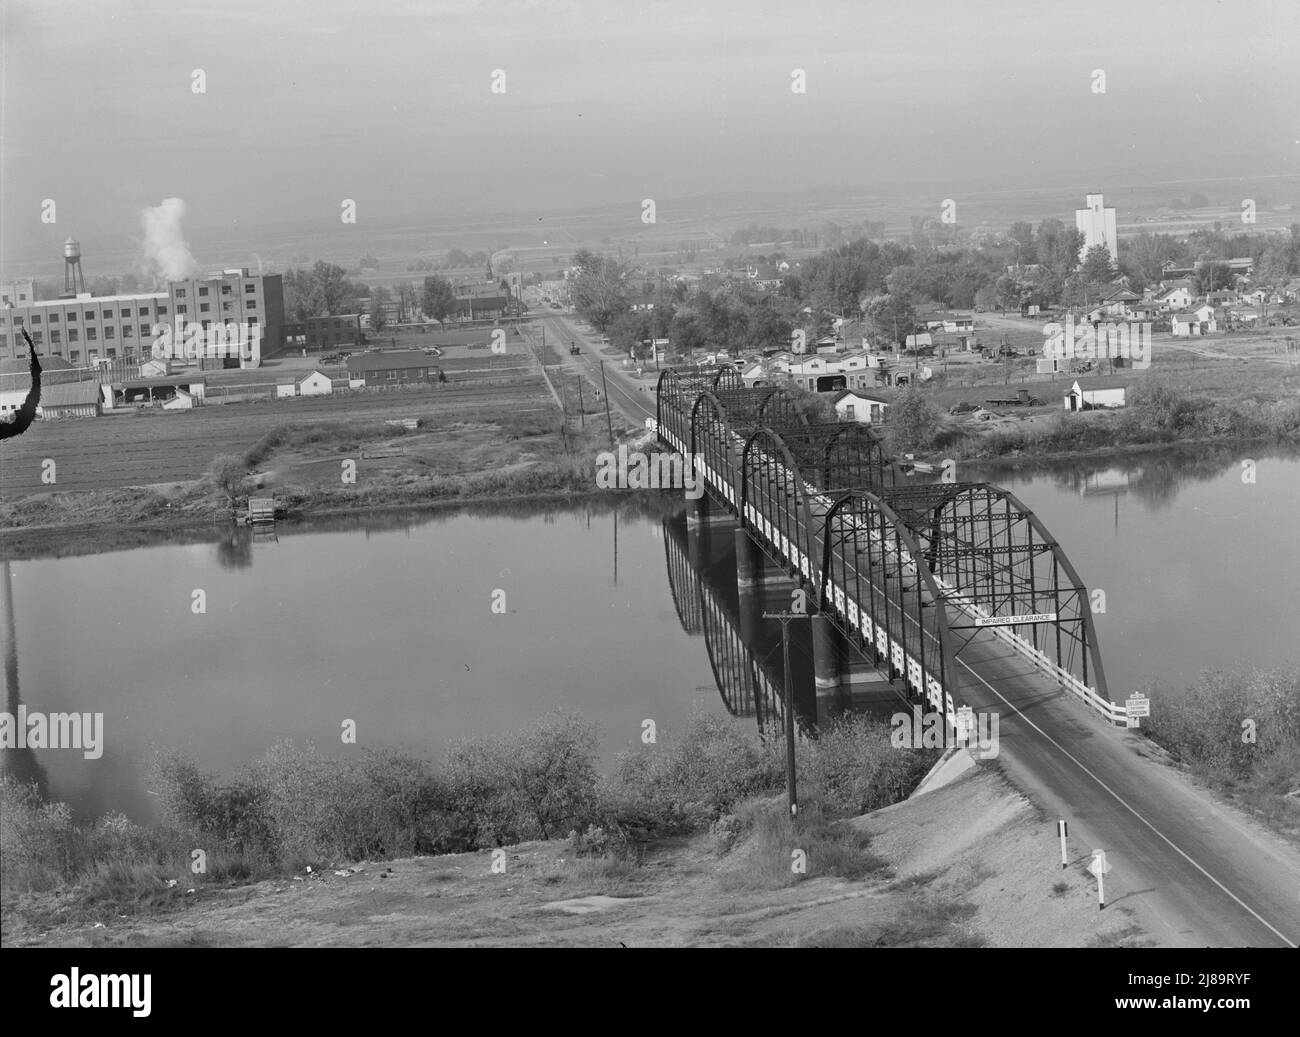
1089,399
922,339
1199,322
315,384
851,405
1177,298
285,385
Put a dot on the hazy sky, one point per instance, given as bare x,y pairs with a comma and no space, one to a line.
389,103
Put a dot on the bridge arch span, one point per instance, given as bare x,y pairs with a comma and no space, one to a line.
772,485
874,587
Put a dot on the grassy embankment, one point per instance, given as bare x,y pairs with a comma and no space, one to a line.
523,456
1239,731
1159,415
294,809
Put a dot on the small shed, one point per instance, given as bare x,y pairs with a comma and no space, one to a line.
1102,397
851,405
286,385
317,383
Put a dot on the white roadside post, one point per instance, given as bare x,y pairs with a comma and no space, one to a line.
1062,829
1099,867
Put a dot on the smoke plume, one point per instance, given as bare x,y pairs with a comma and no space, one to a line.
165,251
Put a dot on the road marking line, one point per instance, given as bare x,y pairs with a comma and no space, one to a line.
1125,805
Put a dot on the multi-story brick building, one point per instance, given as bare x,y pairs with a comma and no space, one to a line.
86,328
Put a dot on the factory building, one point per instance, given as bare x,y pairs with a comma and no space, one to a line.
84,329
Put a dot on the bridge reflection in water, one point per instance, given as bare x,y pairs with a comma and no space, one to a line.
902,575
744,650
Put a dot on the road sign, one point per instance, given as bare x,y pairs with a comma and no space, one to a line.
1138,706
1133,722
965,721
1098,865
1006,621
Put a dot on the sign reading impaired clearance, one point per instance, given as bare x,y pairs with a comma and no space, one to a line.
1007,621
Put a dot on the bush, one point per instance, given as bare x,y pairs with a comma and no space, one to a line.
532,785
852,768
684,785
913,422
228,472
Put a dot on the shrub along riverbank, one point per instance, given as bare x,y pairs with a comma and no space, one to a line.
295,808
1158,415
1239,731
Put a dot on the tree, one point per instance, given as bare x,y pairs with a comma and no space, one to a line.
600,290
378,297
1210,277
438,298
913,422
1097,267
1023,235
892,317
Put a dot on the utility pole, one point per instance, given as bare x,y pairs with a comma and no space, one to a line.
791,793
608,419
582,407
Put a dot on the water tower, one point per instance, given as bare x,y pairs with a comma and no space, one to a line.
73,279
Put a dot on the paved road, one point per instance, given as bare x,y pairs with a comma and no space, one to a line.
1196,874
632,402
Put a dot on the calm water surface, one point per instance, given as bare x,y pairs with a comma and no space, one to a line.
392,626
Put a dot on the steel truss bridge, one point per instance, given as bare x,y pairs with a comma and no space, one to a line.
911,574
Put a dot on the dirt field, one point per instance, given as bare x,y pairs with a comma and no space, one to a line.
147,447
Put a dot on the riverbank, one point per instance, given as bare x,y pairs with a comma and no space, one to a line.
964,865
318,469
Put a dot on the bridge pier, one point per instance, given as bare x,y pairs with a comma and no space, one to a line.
706,512
845,679
828,660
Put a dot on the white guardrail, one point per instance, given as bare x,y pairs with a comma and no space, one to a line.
1114,713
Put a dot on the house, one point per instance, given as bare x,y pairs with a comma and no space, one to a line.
1176,297
1223,297
1103,395
1147,310
317,383
286,385
69,400
155,369
1118,301
1199,322
328,333
919,339
852,405
389,367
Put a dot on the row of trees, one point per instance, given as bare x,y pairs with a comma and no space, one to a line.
884,284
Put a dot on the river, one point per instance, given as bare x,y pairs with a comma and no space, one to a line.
390,622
